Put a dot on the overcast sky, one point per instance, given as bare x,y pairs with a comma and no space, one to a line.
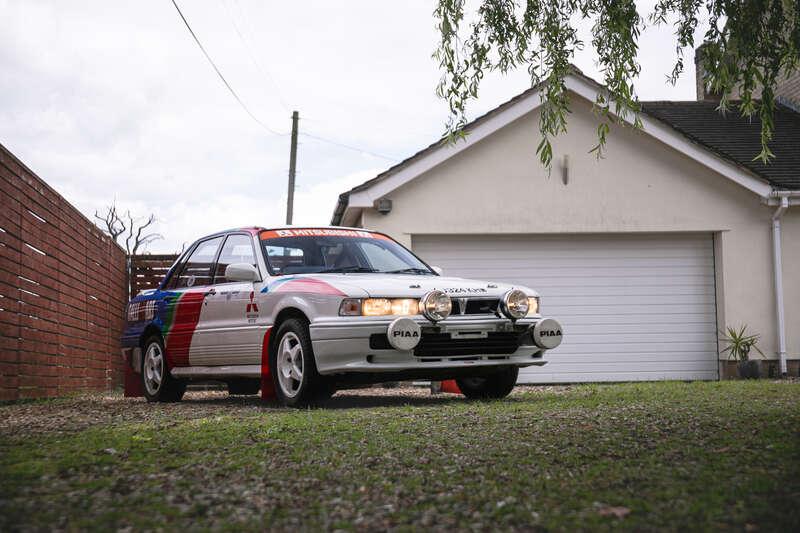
114,101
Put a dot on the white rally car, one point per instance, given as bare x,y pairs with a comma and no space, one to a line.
301,312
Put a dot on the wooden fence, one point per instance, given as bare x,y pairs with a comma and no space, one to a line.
63,290
148,270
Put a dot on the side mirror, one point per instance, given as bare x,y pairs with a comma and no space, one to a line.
438,270
241,272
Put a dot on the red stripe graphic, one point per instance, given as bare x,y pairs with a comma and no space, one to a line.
267,388
179,339
309,285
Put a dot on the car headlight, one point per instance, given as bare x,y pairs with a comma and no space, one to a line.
436,305
379,307
514,304
533,305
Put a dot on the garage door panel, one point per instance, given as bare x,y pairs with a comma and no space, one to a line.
568,272
624,328
581,309
639,375
633,306
612,263
647,290
564,245
662,339
662,365
686,300
630,281
634,318
643,348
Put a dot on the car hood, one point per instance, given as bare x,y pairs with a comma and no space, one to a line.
411,286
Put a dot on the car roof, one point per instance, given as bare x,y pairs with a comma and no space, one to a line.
258,229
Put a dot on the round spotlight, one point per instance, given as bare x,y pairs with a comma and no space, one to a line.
514,304
435,305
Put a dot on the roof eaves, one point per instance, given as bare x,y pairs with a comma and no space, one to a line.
699,142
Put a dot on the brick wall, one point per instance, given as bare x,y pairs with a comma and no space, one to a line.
62,292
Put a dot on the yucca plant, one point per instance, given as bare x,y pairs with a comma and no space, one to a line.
740,343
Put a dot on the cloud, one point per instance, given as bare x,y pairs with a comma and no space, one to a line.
182,223
113,101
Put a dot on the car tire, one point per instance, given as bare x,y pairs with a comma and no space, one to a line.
157,382
293,367
493,386
243,387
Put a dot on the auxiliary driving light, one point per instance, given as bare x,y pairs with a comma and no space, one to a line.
514,304
435,305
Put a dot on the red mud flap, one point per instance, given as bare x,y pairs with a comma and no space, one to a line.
133,383
267,388
450,386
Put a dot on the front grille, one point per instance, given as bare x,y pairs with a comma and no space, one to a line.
477,306
442,345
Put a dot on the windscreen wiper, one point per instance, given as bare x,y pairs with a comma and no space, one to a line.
351,268
412,270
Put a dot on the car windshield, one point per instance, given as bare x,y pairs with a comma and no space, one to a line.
303,251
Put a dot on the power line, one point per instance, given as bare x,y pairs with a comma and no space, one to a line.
228,85
267,76
348,147
250,113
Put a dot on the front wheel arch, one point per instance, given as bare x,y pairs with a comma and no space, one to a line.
285,314
150,331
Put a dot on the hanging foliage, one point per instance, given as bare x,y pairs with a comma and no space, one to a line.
748,45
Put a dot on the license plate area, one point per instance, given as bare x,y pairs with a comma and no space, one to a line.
468,334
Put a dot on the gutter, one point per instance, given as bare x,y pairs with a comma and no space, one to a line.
783,197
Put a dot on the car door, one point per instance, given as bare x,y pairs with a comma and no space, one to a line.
235,320
186,317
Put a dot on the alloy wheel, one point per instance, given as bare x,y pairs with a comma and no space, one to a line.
153,368
290,364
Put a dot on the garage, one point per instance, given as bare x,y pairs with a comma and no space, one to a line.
674,234
634,307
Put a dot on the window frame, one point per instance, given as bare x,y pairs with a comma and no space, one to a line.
178,271
219,253
177,267
272,274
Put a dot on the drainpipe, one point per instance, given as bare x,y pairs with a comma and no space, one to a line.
776,258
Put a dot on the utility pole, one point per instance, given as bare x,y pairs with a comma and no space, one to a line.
292,167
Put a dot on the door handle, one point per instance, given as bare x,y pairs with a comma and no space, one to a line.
210,292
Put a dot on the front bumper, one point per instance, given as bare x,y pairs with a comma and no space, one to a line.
342,345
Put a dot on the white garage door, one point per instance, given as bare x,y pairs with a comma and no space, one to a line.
632,307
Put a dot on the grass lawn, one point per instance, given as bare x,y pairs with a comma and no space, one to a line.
633,456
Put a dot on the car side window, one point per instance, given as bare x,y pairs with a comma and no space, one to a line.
172,282
237,249
197,270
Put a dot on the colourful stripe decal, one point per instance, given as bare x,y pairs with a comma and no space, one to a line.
180,322
303,285
267,387
272,287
